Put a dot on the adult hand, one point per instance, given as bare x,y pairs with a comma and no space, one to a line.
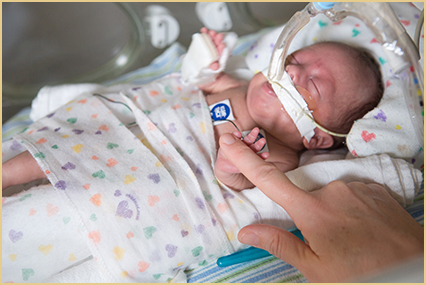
350,230
230,175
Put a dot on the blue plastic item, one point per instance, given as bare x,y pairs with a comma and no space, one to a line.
323,5
250,253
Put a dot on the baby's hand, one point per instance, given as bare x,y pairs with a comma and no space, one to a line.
217,39
225,166
250,141
228,173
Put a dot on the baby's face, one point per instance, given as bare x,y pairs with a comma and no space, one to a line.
324,76
267,111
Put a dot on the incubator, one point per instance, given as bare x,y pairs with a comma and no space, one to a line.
400,52
397,45
66,43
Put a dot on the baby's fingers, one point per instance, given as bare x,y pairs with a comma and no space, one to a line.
257,146
214,66
237,134
264,155
212,33
251,137
220,47
217,39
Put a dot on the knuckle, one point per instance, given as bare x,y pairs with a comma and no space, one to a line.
275,244
376,187
267,173
338,186
354,184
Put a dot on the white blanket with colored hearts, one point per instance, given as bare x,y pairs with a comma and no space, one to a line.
144,167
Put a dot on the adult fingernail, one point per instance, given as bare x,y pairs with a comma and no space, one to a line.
250,239
227,139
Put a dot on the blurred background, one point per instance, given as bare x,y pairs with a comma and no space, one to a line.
56,43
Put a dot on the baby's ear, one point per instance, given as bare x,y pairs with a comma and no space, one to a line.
321,140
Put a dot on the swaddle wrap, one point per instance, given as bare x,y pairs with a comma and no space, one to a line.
150,185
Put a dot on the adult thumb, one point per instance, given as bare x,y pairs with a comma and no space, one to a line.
278,242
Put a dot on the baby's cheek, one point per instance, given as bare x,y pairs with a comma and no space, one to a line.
310,101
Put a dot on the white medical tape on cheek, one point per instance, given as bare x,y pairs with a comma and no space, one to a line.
294,105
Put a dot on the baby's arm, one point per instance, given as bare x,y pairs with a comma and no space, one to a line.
20,169
227,173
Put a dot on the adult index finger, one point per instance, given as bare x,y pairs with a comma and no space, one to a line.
266,176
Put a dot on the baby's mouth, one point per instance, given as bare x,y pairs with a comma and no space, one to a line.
267,87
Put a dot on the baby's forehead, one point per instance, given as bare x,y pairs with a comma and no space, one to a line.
326,47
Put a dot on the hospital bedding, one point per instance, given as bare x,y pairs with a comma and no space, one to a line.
268,269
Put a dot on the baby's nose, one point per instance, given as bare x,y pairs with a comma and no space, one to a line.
291,70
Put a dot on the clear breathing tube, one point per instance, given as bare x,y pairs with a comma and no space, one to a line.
400,49
293,26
